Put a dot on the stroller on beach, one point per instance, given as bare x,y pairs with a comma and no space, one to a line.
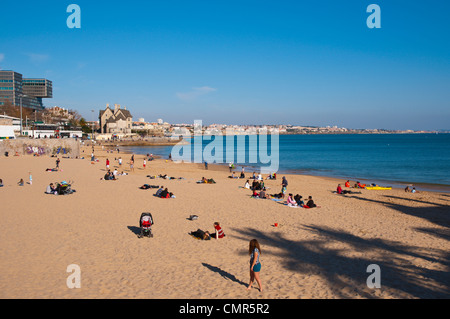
146,223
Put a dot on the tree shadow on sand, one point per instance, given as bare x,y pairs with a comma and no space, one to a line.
438,214
346,274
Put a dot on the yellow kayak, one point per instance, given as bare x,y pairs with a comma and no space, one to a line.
378,188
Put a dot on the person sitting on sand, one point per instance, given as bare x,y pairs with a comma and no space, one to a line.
21,182
247,185
339,190
1,182
165,194
298,199
347,184
218,231
291,202
159,191
50,189
262,194
310,203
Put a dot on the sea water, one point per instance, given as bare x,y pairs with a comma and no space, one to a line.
402,158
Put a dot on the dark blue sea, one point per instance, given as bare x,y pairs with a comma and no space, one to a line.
385,158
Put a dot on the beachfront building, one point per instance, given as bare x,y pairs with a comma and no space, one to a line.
115,121
28,92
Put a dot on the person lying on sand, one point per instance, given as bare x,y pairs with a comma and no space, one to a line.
200,234
206,181
277,196
147,186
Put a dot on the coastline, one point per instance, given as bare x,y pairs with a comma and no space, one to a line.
319,253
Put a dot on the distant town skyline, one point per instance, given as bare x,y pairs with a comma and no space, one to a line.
238,63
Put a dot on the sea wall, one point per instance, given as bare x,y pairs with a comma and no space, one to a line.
62,147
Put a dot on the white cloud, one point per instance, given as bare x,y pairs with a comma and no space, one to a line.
195,93
38,58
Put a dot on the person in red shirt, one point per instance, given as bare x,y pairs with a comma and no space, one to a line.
219,231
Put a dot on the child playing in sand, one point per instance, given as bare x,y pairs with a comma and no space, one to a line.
255,264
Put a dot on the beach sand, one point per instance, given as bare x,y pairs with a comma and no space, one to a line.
313,253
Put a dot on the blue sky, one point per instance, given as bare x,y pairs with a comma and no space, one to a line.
240,62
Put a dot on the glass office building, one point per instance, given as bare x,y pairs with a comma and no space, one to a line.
13,87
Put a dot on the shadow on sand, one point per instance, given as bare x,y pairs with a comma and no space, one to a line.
224,274
346,275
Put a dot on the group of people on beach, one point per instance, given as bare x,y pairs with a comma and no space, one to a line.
164,193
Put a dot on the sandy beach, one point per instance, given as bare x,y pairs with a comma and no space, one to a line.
313,253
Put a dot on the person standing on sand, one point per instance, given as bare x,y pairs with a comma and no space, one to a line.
132,165
107,163
57,163
284,182
145,163
31,178
255,265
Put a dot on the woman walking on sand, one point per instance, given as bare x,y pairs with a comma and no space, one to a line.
255,265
